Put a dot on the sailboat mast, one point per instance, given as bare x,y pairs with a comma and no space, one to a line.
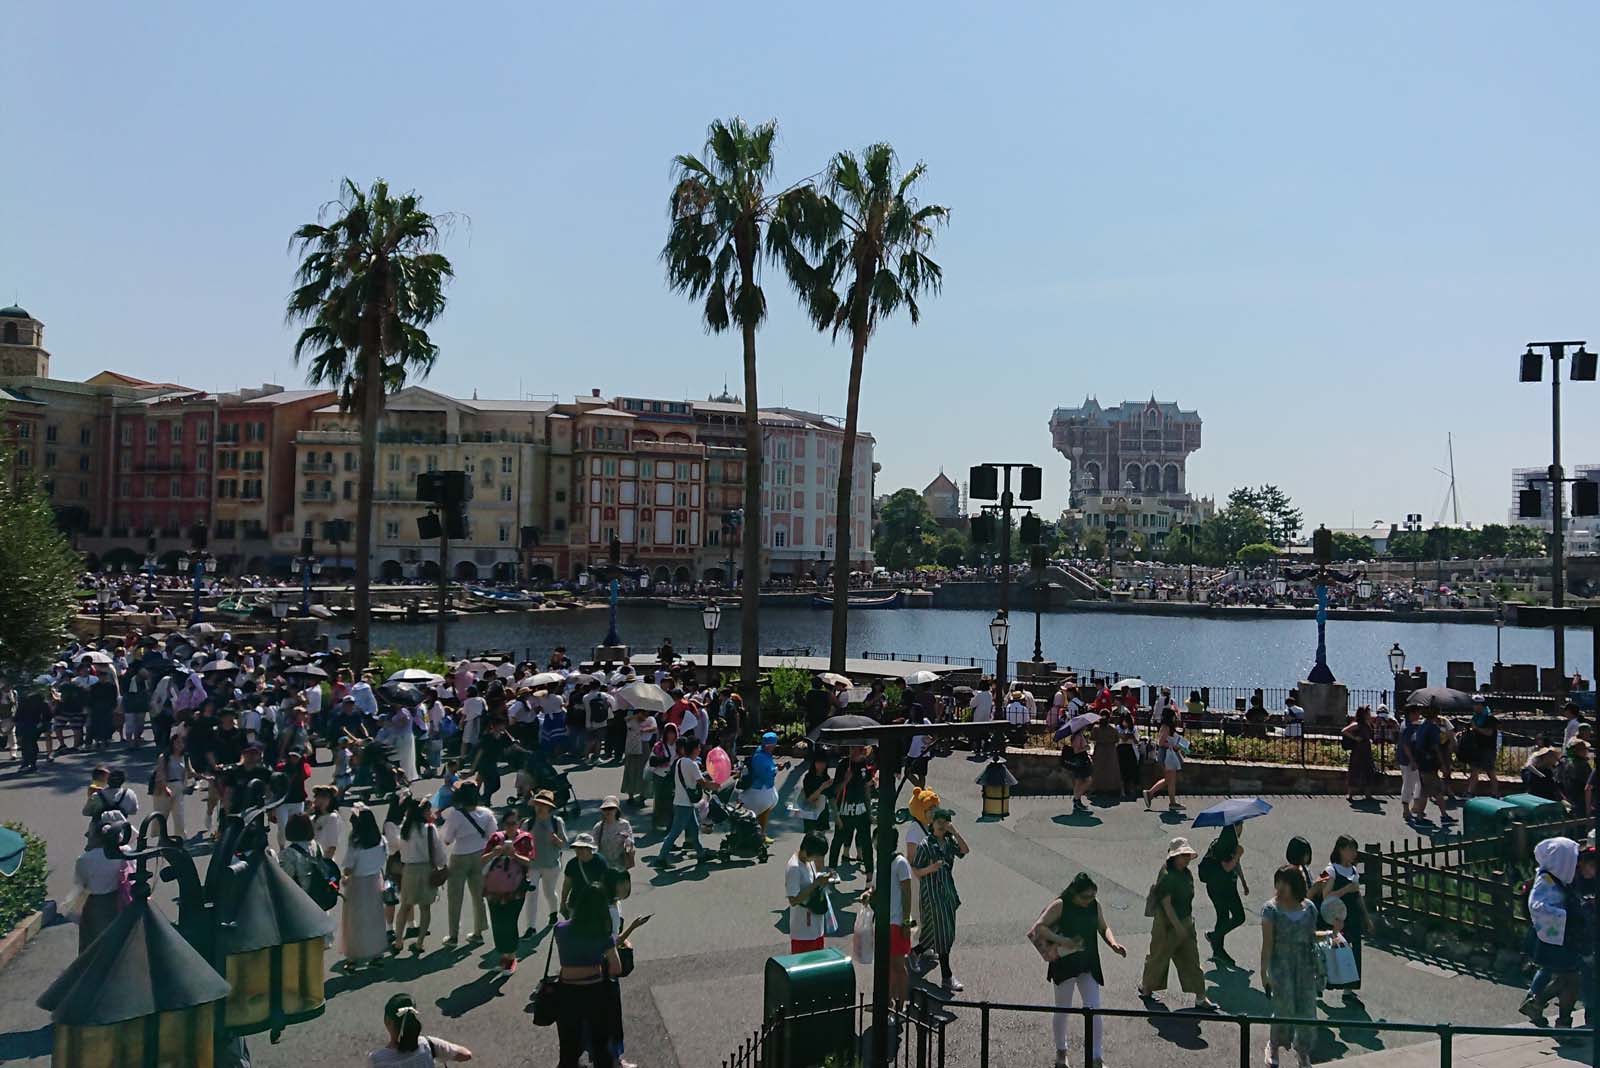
1455,504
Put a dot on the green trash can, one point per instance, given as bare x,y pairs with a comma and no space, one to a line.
816,993
1486,818
1531,808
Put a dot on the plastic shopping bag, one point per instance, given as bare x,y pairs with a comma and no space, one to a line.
863,940
1339,962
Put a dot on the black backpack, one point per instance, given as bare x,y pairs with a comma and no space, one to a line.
323,880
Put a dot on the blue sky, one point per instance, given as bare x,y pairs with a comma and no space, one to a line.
1328,228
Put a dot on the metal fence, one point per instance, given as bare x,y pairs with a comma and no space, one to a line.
934,1033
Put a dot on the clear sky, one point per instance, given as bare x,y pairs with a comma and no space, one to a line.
1328,228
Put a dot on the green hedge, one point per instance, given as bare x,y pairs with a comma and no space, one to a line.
23,893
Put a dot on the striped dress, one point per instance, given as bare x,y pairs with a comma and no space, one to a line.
937,893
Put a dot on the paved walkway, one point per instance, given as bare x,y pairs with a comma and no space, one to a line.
698,988
1481,1051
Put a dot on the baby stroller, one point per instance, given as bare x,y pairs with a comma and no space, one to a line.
543,775
742,837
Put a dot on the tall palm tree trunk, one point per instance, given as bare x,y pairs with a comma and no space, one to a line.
750,602
841,519
371,407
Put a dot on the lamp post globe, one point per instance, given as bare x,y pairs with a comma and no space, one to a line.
711,619
1397,659
1279,587
999,631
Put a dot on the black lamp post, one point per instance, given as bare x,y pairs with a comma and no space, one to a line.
149,567
1000,637
280,611
1397,667
309,565
246,957
711,619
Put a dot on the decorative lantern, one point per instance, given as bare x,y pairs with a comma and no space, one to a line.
997,781
139,997
272,951
1364,589
1397,659
1279,587
711,616
999,630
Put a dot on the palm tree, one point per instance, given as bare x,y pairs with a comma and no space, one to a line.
370,280
866,228
718,209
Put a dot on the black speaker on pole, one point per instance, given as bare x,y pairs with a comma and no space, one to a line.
428,527
1586,497
455,523
1029,529
430,486
983,483
1032,483
1529,504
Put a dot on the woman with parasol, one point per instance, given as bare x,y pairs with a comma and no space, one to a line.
1220,869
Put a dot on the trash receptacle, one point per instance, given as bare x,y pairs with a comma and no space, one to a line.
1531,808
816,994
1486,818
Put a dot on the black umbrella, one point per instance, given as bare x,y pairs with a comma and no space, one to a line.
401,692
308,671
1442,698
842,723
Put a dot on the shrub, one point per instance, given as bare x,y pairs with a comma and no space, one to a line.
785,687
386,662
23,893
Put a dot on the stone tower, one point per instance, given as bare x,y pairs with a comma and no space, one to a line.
22,345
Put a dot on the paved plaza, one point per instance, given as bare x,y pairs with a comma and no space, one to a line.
698,987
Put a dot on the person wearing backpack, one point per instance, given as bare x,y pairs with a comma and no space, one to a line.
304,861
113,797
688,783
1170,903
507,856
466,831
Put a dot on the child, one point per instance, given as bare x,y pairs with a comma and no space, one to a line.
343,764
327,827
1556,932
444,796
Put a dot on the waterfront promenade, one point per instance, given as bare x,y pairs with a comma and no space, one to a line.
697,991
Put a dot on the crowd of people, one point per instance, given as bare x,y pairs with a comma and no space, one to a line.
503,738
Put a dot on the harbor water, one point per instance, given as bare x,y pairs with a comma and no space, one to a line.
1180,650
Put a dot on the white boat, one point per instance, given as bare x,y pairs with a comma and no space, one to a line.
505,598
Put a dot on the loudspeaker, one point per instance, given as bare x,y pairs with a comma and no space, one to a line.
1532,366
307,546
430,486
455,523
983,483
1036,558
1032,483
1029,529
1529,504
982,528
428,527
1583,366
1586,497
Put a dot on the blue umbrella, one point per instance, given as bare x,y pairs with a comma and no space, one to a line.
1234,810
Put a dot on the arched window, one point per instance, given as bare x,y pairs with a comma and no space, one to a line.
1132,480
1170,480
1091,475
11,333
1152,479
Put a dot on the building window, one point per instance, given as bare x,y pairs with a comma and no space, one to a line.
83,489
505,533
149,433
349,489
394,461
176,433
647,469
126,434
49,459
391,530
780,537
505,493
505,465
433,463
200,485
202,432
308,532
350,461
24,431
24,458
125,489
50,432
202,460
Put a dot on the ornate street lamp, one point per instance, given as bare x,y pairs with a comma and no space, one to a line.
102,597
280,612
1000,637
1279,588
711,619
997,781
1363,590
1397,667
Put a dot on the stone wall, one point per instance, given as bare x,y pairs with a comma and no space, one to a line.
1039,772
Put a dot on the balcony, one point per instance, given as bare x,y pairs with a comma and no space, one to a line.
316,496
316,467
328,437
416,437
160,467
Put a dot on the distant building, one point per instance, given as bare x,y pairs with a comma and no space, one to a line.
22,345
1129,466
943,498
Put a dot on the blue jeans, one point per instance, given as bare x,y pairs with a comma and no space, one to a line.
577,740
685,821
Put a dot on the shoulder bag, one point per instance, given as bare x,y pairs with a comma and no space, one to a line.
544,1001
694,791
438,874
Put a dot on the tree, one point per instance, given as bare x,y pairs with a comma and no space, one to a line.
1283,519
1094,543
718,209
866,229
1351,546
1231,529
1256,554
952,550
38,577
370,280
1526,541
903,523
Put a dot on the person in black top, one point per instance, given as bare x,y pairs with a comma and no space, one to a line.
815,789
103,699
816,704
494,745
33,720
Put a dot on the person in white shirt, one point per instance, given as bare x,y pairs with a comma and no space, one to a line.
98,876
900,875
472,710
435,733
1017,709
687,777
801,885
325,819
1570,731
982,706
466,830
1294,718
408,1047
421,850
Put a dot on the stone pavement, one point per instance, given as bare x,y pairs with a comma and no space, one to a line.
697,991
1481,1051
